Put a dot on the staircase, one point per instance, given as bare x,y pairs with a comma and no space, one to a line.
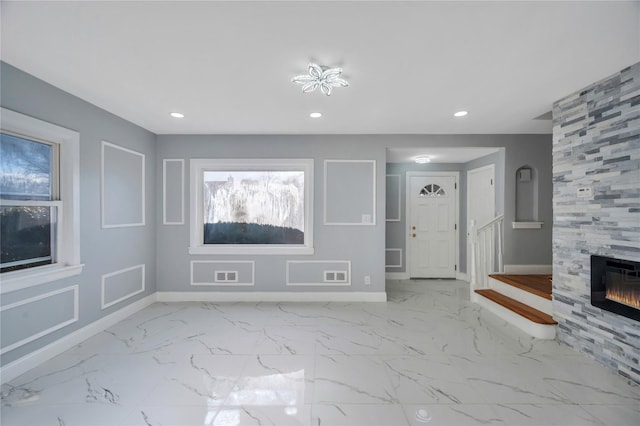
522,300
514,300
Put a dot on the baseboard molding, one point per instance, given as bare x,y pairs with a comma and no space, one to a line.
397,276
276,296
462,276
528,269
37,357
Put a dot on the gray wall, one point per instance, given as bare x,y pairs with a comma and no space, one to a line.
363,245
521,247
103,251
596,142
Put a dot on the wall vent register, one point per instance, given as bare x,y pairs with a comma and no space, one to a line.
226,277
335,276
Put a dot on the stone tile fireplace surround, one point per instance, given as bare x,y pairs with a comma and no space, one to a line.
596,202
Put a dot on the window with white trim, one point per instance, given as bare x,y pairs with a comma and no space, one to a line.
251,206
39,209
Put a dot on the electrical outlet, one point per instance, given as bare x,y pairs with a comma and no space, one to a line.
367,280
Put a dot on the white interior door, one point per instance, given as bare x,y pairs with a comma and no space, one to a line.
432,226
481,200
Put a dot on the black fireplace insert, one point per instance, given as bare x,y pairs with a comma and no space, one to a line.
615,286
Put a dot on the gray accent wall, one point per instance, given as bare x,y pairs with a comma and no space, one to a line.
102,251
363,245
596,143
345,238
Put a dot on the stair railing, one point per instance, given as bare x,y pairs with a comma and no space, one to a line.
486,251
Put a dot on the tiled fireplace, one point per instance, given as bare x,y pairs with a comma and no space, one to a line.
596,202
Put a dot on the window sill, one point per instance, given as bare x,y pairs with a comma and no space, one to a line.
19,280
527,225
246,250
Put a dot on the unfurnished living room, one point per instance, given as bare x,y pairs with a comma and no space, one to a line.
319,213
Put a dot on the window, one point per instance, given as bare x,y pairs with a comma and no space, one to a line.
28,215
39,235
251,206
432,190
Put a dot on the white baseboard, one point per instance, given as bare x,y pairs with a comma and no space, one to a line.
397,276
528,269
37,357
276,296
462,276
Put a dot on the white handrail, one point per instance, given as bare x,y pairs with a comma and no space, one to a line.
486,251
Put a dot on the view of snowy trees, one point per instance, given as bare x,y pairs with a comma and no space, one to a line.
254,207
25,231
25,169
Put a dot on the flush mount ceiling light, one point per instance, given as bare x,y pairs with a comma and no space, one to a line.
320,76
422,159
177,115
315,115
461,113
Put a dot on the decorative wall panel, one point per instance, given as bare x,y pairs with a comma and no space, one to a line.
122,284
123,187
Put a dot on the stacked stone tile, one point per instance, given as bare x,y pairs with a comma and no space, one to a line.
596,143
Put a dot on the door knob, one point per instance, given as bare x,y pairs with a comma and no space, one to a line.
413,227
414,235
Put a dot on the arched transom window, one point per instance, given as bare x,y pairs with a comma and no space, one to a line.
432,190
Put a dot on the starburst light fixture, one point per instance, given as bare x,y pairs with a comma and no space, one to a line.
323,77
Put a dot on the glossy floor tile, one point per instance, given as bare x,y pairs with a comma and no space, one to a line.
427,357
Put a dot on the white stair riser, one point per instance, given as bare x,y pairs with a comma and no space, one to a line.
539,331
529,299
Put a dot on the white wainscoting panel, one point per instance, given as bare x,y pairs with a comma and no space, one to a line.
33,359
122,187
350,192
173,191
122,284
393,258
204,272
38,315
393,203
312,272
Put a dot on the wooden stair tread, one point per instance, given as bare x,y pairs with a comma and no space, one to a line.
519,308
540,285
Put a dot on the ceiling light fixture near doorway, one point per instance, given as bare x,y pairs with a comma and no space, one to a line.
177,115
422,159
461,113
315,115
320,76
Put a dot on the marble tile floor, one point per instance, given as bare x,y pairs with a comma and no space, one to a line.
427,357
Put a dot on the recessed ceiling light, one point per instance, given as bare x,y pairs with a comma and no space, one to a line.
177,115
460,113
422,159
315,115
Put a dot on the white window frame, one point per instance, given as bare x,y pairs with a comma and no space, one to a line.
197,169
67,260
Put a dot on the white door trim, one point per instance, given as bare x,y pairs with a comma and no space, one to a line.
407,244
469,172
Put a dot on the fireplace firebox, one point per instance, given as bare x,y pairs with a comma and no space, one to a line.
615,286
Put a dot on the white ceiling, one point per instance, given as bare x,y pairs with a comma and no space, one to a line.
227,65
